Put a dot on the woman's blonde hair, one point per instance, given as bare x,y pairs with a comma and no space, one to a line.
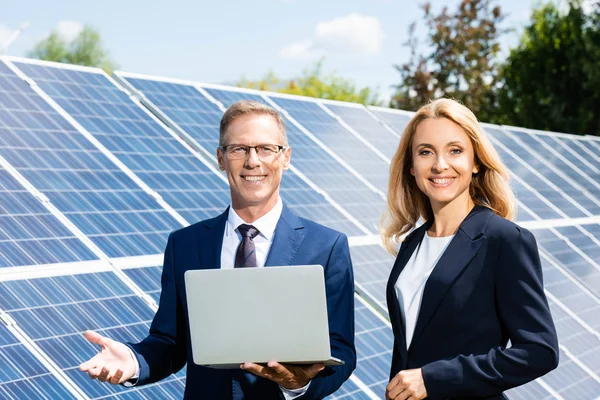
406,202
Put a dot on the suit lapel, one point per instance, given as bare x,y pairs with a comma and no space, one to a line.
459,253
396,314
288,235
211,242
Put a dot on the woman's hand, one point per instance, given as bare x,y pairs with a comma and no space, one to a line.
406,385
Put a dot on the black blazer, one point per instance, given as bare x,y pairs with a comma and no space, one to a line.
486,289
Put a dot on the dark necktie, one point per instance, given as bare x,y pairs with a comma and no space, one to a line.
245,256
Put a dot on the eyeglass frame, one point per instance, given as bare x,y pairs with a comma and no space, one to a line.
280,149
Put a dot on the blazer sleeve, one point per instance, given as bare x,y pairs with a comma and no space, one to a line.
525,318
163,351
339,287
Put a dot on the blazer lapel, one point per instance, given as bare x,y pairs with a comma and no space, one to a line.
408,247
211,242
459,253
288,235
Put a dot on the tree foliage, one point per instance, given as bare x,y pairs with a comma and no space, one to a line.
85,49
315,83
551,81
460,61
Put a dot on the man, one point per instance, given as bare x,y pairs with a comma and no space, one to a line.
257,230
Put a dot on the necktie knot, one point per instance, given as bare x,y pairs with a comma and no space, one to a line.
248,231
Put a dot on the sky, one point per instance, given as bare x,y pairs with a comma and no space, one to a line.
223,41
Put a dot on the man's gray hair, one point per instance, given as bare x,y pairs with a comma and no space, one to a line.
249,107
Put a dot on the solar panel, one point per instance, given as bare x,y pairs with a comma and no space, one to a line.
361,120
29,233
96,195
131,134
200,119
327,129
547,191
541,158
349,390
55,311
23,376
565,253
372,266
374,343
321,167
395,119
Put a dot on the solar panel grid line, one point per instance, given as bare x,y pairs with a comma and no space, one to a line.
372,298
45,202
537,194
301,175
155,195
546,257
374,110
579,363
322,145
572,314
558,171
40,355
595,155
363,387
558,223
79,234
566,148
576,248
543,179
559,138
386,126
357,135
180,134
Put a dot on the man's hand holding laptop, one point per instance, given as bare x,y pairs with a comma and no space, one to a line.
287,375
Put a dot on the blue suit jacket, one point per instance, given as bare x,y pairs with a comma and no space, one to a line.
297,241
486,289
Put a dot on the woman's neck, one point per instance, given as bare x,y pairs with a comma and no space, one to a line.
448,217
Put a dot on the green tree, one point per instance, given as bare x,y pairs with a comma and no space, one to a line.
85,49
460,62
551,81
315,83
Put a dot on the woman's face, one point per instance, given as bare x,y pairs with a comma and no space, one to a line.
443,161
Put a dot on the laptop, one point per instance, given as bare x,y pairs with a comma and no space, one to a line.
258,315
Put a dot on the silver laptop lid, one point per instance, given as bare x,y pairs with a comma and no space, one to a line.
258,315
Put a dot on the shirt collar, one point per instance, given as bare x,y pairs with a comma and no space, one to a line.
266,224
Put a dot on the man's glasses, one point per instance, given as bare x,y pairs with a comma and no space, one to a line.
266,152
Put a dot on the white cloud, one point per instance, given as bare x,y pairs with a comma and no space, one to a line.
351,34
68,30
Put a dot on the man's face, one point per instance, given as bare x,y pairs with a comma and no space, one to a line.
254,181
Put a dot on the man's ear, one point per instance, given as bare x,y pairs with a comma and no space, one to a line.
220,159
287,154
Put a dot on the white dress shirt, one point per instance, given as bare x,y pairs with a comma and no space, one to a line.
411,282
262,243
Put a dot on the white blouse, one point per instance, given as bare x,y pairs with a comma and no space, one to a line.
411,282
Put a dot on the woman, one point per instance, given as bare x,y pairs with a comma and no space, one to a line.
468,280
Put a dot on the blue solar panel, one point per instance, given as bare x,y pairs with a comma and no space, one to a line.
394,119
374,343
372,266
29,233
54,312
98,197
337,138
189,186
568,148
583,194
536,179
370,128
321,168
148,279
349,390
22,376
539,206
567,255
200,119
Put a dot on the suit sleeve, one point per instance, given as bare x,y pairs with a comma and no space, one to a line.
525,318
163,351
339,287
